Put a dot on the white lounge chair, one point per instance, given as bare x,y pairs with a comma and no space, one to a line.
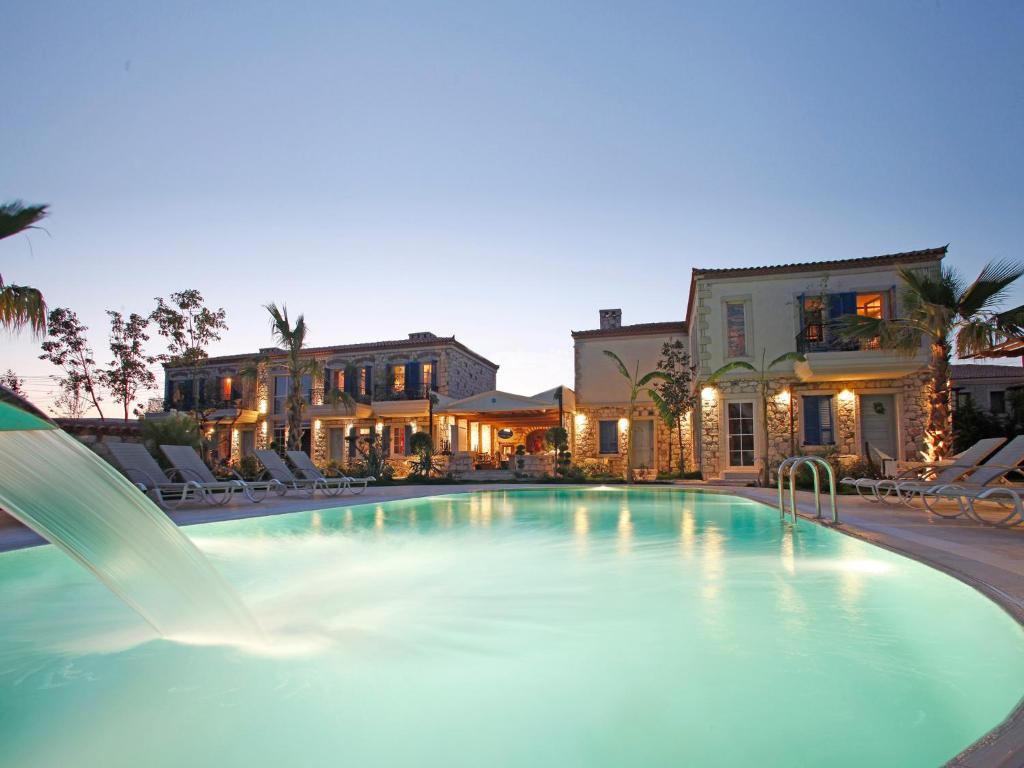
982,485
191,467
923,476
141,468
279,471
310,470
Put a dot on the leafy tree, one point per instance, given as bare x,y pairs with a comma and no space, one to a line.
672,395
21,305
422,446
173,429
129,369
971,424
762,376
636,383
190,327
942,311
10,380
68,348
293,338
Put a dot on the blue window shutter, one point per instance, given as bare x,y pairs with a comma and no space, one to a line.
433,374
803,321
841,304
369,380
812,420
328,384
408,439
412,378
826,430
353,435
386,440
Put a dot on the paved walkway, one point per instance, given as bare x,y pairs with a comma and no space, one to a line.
989,559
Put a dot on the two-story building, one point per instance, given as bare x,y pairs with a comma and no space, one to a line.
843,397
389,382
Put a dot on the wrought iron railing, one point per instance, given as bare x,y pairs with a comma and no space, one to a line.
825,337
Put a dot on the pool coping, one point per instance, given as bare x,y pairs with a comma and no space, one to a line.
1000,747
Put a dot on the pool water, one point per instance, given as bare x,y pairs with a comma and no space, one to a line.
596,627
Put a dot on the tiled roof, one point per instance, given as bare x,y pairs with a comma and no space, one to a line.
371,346
886,260
929,254
963,371
637,329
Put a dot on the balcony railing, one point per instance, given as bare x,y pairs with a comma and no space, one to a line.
421,392
825,337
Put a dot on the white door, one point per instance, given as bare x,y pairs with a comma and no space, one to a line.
878,423
740,434
643,444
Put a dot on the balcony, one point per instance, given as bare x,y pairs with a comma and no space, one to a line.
830,357
410,401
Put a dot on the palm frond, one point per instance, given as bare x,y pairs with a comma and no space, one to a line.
664,410
21,306
280,328
619,363
16,217
973,337
943,289
795,357
338,399
990,287
649,377
733,366
1011,322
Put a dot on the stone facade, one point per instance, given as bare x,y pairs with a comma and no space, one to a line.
585,438
464,375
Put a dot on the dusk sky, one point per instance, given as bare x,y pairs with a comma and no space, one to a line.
497,172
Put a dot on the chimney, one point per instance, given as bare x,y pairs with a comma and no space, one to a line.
421,336
610,318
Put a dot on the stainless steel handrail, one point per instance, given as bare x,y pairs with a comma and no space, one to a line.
792,464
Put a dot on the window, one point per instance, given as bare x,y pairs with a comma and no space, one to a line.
818,429
225,388
736,328
870,305
306,388
280,393
398,379
336,443
279,440
963,399
398,441
248,442
814,319
364,380
428,375
609,436
997,402
339,380
741,434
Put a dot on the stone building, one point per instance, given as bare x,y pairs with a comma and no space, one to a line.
600,424
390,383
986,386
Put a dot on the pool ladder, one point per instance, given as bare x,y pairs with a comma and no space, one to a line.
792,464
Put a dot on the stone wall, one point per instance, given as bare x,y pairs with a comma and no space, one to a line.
465,375
585,437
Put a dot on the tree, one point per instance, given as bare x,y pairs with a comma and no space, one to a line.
762,388
557,438
21,305
672,395
68,348
293,339
129,369
636,383
190,327
10,380
940,310
421,444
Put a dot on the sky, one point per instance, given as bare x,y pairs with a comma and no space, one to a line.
496,171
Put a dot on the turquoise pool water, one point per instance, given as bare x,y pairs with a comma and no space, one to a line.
527,628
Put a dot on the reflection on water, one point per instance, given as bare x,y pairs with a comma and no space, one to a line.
474,622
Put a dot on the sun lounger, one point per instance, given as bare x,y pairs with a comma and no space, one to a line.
279,471
191,467
905,484
980,484
141,468
309,470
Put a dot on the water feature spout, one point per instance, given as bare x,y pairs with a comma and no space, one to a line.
79,503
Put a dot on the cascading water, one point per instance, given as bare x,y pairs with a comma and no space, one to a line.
75,500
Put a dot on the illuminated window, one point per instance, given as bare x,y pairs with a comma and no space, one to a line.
814,313
428,375
339,380
398,379
398,441
736,328
363,378
225,388
869,305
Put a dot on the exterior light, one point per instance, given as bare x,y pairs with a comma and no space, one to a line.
581,420
784,396
263,406
846,395
316,424
708,393
380,427
623,424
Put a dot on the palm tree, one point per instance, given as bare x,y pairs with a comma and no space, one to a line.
762,388
21,305
636,383
293,339
942,311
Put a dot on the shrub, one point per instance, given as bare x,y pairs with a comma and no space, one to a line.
175,429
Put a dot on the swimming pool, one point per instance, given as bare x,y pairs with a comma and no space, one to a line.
591,627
